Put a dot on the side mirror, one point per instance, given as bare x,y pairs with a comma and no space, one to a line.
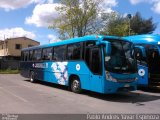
139,52
107,47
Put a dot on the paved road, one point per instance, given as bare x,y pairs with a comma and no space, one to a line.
18,95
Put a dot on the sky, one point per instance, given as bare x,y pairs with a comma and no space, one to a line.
31,18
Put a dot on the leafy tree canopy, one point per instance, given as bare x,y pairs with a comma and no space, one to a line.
140,25
119,25
82,17
77,18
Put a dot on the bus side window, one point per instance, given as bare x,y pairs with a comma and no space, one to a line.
22,56
139,57
31,55
26,56
60,53
37,54
88,45
47,54
95,60
138,54
74,51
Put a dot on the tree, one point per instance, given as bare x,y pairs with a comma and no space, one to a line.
77,18
140,25
117,25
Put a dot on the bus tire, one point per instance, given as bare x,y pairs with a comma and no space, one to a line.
32,77
75,85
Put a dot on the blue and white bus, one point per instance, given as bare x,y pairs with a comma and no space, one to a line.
101,64
149,63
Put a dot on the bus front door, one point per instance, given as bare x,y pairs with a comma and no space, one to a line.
154,67
95,64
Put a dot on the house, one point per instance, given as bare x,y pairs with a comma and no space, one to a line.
10,49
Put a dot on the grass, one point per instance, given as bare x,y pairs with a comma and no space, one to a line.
9,71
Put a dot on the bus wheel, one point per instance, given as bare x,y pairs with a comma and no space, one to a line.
32,77
75,85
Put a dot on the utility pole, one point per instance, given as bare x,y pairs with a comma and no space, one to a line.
129,16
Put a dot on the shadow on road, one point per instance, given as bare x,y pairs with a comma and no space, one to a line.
137,97
128,97
62,87
150,90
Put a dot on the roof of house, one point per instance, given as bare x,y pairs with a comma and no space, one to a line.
25,38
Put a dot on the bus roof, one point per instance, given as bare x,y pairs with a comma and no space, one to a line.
144,39
74,40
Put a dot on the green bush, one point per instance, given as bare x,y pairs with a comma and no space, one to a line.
9,71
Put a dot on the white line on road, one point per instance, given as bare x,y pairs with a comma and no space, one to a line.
24,100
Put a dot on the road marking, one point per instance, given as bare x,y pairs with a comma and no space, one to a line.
24,100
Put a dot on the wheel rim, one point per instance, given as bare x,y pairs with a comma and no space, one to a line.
31,78
75,85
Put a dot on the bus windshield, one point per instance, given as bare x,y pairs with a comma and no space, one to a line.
120,60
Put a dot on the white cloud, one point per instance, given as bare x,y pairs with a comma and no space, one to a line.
108,4
52,38
156,6
43,15
134,2
15,4
15,32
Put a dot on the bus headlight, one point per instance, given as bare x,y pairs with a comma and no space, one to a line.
110,78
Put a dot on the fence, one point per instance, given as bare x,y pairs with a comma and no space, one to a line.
9,64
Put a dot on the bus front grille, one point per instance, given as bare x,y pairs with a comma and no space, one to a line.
126,80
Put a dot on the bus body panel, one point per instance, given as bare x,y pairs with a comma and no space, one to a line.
119,87
123,84
142,75
59,73
25,68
